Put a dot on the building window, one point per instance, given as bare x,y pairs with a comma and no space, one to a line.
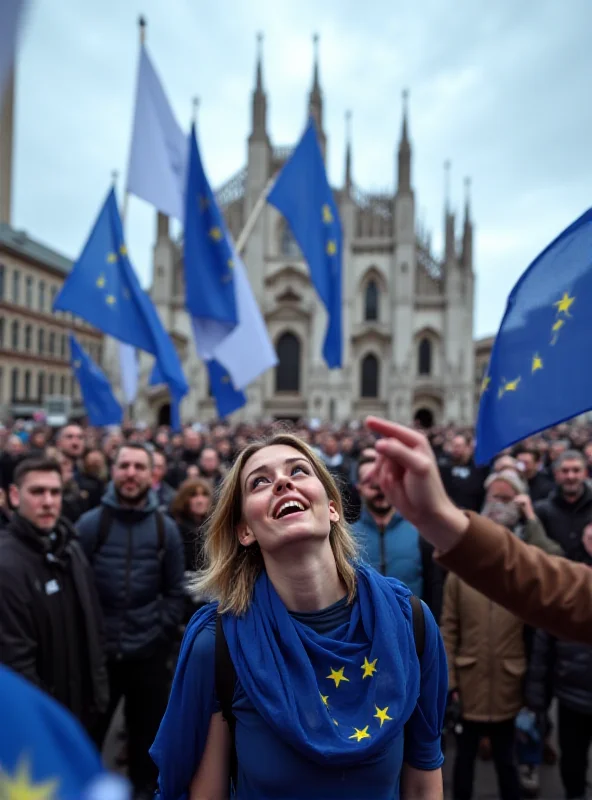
2,279
2,324
371,302
63,346
424,357
27,385
16,286
40,341
41,386
29,292
287,372
72,385
14,385
288,245
15,335
28,338
369,386
63,384
53,294
52,344
51,384
41,295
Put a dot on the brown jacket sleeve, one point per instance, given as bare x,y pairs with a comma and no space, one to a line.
545,591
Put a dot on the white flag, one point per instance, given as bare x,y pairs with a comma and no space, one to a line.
128,362
158,154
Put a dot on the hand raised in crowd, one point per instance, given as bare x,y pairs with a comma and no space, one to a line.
407,473
524,503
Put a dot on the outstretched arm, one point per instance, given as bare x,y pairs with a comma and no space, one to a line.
545,591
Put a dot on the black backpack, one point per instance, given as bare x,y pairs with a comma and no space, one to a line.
226,673
105,521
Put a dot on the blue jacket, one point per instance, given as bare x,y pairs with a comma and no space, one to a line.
395,551
141,594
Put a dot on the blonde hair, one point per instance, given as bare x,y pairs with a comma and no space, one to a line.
232,569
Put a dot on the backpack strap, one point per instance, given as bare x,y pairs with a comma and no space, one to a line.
104,528
419,628
225,685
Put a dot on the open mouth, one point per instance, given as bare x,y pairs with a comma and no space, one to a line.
288,508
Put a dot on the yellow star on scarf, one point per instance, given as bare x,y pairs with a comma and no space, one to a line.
337,676
20,786
359,735
382,715
369,668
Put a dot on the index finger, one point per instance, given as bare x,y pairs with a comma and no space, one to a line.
393,430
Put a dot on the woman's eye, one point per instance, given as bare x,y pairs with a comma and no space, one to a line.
301,468
256,481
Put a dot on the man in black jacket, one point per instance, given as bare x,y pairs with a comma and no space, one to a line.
137,556
70,442
50,620
568,509
540,485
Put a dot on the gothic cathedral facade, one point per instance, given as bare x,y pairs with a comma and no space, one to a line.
407,316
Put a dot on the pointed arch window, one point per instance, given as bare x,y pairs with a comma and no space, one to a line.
369,376
288,244
287,372
371,301
424,357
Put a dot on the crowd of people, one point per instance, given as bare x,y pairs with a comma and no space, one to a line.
102,553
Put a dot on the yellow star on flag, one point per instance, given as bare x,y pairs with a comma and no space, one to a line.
327,215
20,785
537,363
331,247
111,258
110,300
101,281
230,264
485,384
325,699
564,304
216,234
123,250
369,668
382,715
337,676
359,735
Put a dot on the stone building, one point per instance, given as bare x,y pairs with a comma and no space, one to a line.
34,350
407,315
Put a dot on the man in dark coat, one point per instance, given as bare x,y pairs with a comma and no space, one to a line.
50,620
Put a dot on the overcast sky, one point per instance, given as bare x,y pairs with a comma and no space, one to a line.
502,89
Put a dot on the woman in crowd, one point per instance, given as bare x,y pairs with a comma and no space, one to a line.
190,509
328,696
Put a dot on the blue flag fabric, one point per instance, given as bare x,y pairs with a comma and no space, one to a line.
535,377
303,195
104,290
100,403
227,398
208,256
44,751
339,699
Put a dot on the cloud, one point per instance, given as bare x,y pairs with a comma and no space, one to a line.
501,89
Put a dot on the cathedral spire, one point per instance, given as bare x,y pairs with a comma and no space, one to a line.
259,113
449,220
315,98
348,154
404,178
467,245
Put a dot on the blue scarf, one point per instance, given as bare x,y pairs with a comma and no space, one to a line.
337,699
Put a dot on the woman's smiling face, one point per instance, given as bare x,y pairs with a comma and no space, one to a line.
283,500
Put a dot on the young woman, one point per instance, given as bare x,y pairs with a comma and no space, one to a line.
189,509
330,698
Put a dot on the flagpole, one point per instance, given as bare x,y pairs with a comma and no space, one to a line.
253,217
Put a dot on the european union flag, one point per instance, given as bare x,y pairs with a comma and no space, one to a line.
228,399
99,401
209,258
538,374
44,752
104,290
303,195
